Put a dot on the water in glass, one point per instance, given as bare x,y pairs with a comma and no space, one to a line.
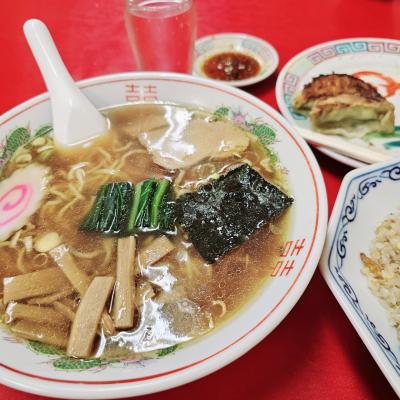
162,34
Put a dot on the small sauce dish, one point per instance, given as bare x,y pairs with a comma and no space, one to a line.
237,59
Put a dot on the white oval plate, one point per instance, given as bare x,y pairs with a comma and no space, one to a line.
253,46
346,56
23,369
366,197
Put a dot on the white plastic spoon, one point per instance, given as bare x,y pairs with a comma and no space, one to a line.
75,119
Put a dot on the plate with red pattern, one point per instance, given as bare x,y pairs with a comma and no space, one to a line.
374,60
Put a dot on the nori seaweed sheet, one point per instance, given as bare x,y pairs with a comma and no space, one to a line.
225,212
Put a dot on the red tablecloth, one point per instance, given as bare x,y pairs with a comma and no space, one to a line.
314,353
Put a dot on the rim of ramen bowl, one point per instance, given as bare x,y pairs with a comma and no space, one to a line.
229,352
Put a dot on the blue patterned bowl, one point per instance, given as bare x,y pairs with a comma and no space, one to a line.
367,196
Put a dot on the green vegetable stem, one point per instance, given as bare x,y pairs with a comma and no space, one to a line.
160,193
141,208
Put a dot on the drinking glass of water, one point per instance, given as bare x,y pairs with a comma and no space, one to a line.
162,33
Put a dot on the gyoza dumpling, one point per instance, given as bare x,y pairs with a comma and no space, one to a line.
344,105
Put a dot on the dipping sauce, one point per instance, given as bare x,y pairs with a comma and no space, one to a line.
231,66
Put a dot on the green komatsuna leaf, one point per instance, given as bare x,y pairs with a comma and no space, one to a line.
44,348
221,112
75,364
166,351
18,137
42,131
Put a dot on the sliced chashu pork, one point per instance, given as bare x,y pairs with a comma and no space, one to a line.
182,145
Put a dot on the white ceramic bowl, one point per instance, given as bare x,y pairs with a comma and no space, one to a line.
367,196
262,51
30,371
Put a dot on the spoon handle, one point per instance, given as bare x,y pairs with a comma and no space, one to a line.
75,119
46,55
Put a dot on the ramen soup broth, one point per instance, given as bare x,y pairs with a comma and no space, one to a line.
178,297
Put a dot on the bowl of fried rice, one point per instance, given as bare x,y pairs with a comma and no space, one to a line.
361,260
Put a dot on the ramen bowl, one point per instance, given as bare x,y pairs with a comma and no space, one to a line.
42,370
